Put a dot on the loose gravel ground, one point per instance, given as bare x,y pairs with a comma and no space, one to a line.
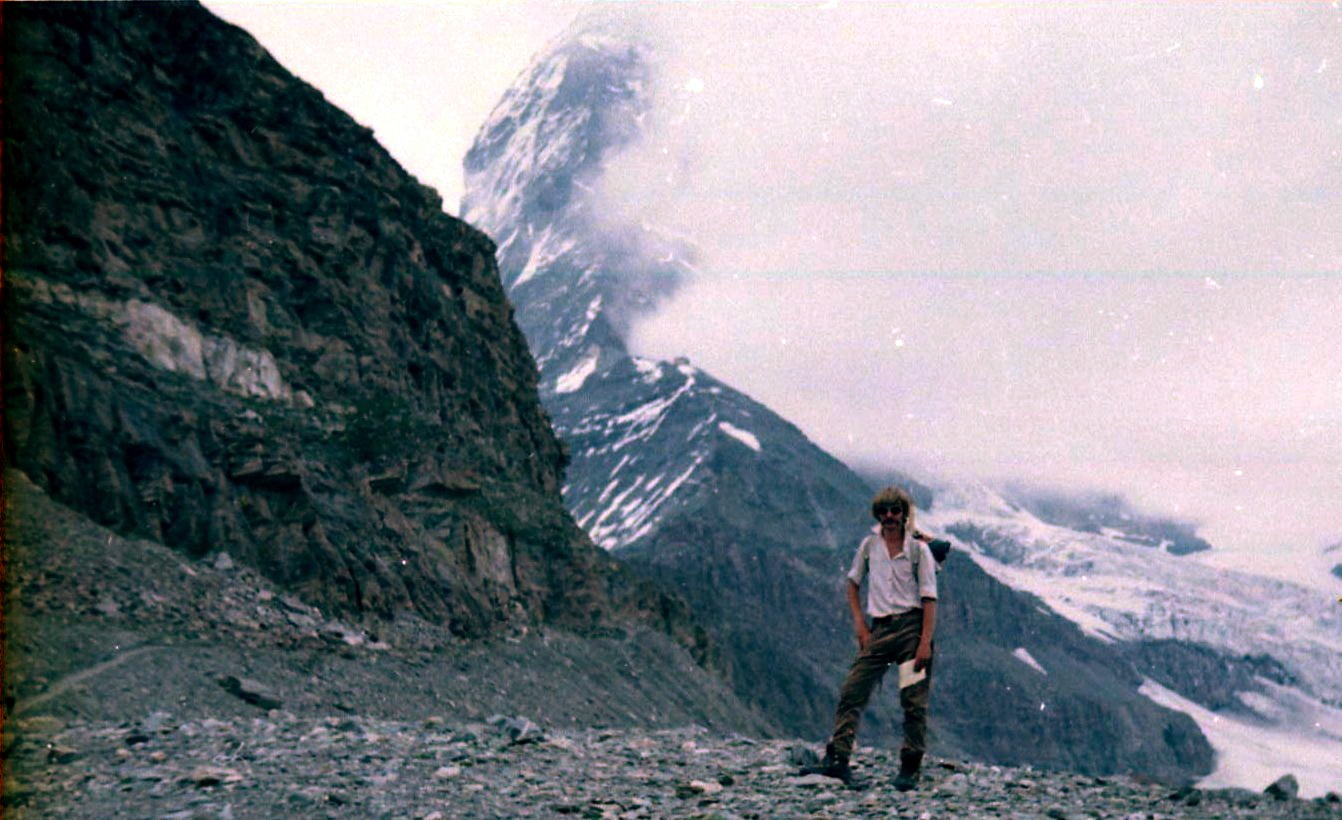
283,765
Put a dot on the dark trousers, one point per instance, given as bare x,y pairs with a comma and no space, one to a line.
892,641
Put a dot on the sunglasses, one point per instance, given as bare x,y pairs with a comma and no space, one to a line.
884,510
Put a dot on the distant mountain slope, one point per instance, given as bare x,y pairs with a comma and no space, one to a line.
696,484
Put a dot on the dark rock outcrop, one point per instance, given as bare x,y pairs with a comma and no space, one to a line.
235,323
1213,678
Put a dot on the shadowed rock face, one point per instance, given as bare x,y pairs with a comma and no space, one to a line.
237,324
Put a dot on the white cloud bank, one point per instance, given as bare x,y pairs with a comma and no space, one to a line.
1088,245
975,137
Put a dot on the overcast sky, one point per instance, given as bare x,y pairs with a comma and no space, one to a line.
1094,246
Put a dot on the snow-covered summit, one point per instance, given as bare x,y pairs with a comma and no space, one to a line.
548,138
579,272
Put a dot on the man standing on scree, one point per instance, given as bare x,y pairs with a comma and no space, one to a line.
904,614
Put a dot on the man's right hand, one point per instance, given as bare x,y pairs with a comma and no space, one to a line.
863,635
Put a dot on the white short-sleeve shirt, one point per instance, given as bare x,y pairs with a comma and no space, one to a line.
893,589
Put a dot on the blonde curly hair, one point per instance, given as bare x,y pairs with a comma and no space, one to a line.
889,497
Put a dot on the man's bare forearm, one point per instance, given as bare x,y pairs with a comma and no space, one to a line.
854,604
929,620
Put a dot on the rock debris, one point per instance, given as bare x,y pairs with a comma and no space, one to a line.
281,764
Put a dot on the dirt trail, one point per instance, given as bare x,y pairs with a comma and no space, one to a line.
69,681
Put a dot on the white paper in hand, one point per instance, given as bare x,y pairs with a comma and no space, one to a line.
908,677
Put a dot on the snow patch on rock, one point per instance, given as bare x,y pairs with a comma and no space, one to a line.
574,379
1023,655
746,437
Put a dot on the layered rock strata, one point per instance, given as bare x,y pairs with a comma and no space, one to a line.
234,323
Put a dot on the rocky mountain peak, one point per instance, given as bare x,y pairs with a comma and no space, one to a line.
579,274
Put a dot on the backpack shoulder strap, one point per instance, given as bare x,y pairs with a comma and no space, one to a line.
866,551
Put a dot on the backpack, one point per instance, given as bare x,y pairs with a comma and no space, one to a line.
939,547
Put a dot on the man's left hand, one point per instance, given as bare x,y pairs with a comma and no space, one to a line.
922,657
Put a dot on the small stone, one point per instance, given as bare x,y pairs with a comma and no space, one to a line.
158,722
223,562
206,776
250,691
802,756
447,772
1237,797
1285,787
522,730
813,781
61,754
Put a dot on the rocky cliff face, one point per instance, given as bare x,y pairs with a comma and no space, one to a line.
235,324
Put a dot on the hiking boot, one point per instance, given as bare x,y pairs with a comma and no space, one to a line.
909,764
831,766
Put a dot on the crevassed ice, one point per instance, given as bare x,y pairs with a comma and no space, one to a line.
1118,590
744,436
